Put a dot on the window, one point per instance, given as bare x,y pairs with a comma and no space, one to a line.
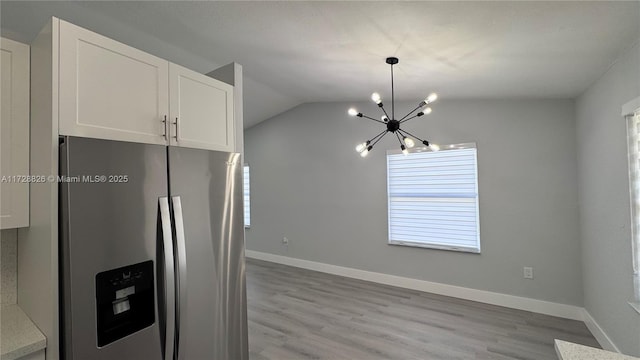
633,141
433,198
246,191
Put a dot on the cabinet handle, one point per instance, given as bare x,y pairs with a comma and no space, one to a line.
176,124
164,127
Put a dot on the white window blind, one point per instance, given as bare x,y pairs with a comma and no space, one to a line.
633,141
246,189
433,198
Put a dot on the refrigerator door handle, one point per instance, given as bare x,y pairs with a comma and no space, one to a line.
182,263
169,278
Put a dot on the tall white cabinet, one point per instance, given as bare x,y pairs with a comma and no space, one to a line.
85,84
14,134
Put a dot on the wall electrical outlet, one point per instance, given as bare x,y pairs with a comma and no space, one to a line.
528,272
285,241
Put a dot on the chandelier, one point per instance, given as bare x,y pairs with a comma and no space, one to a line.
392,125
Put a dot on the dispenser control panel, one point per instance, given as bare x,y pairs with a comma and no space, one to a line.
124,301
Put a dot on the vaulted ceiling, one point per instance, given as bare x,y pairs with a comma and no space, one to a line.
296,52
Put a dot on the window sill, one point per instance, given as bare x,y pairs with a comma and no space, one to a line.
434,247
635,305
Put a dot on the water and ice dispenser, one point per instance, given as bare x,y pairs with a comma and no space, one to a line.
124,301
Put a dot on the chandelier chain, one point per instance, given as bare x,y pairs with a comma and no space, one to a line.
393,111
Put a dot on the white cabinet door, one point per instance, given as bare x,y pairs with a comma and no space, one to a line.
109,90
201,111
14,134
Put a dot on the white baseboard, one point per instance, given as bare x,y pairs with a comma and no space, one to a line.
598,333
488,297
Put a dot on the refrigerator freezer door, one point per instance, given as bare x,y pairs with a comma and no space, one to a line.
110,221
206,193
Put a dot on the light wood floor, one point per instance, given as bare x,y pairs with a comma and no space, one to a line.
300,314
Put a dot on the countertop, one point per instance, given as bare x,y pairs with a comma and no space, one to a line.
571,351
18,335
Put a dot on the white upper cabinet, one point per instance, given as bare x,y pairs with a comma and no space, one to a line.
14,134
201,110
109,90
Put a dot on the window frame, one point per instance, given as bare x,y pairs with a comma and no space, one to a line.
633,153
436,246
244,197
631,115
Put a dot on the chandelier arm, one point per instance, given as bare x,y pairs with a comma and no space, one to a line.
398,136
410,134
370,118
380,138
385,111
405,120
375,137
410,112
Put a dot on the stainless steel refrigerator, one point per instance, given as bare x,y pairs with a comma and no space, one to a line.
152,252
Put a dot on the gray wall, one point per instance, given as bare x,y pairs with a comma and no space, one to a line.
604,201
309,185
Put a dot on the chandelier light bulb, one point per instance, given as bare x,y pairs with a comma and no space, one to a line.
427,110
409,141
361,147
405,152
434,147
431,98
376,98
353,112
364,152
384,118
